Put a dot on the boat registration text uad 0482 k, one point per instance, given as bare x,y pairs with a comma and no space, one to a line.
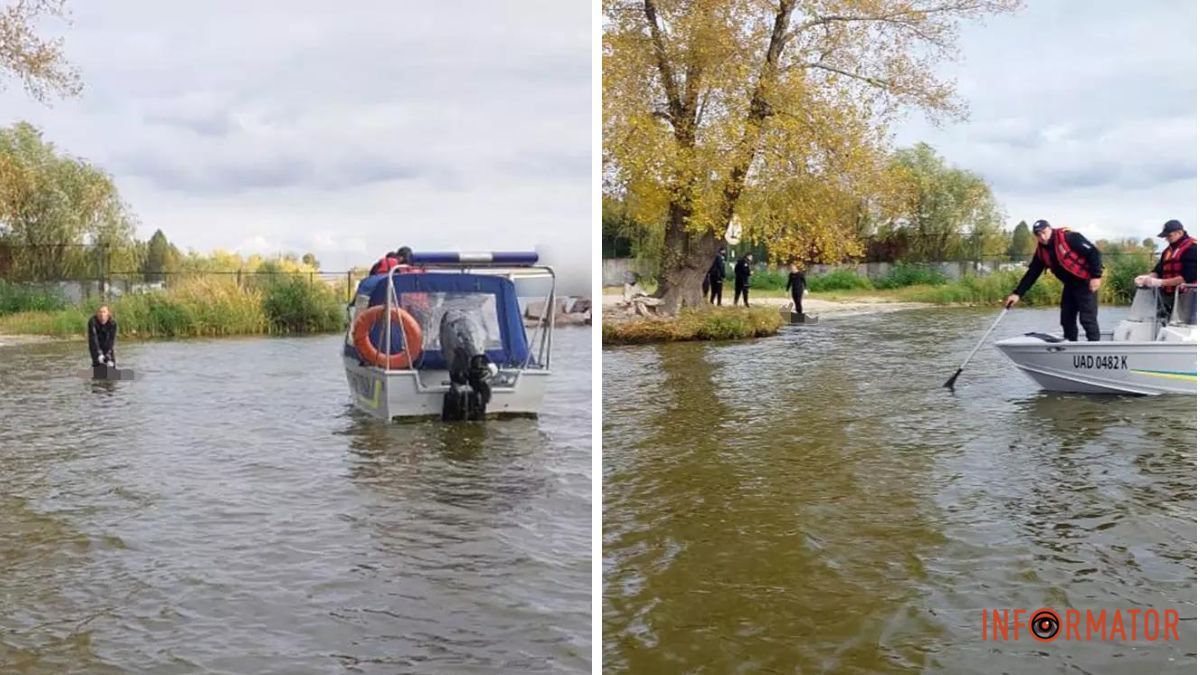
1092,362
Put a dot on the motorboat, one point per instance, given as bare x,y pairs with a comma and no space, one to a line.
1151,351
453,344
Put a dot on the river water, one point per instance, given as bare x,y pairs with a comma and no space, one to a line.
816,502
230,512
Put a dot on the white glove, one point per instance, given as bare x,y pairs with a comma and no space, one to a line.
1154,282
1140,280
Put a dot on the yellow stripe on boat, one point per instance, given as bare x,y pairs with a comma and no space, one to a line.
1169,374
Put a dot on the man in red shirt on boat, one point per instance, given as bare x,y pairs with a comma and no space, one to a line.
1176,266
402,256
1076,263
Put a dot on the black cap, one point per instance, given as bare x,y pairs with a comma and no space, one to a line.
1039,225
1171,226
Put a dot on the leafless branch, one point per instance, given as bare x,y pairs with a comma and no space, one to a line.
873,81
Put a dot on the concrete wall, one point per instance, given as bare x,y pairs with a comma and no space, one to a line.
77,292
614,270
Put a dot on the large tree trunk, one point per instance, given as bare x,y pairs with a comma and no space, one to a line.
685,260
687,255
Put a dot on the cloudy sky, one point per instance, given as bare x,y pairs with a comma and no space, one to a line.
1082,113
344,129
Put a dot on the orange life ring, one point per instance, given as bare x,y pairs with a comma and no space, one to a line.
362,338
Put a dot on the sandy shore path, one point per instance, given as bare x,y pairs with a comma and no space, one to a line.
814,306
15,340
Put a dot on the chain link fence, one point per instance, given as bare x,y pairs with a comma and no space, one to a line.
78,273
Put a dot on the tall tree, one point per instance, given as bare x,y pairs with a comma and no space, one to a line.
60,216
38,63
774,110
1023,242
158,254
942,212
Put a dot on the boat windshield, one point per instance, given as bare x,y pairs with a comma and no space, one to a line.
1184,312
428,308
1145,305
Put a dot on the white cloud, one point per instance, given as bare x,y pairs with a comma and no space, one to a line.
345,129
1084,115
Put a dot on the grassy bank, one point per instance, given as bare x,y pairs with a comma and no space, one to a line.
917,284
705,324
197,308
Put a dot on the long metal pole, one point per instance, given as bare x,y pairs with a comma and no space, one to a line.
950,382
387,339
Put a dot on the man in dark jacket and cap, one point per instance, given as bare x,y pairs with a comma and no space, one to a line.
1176,266
1076,263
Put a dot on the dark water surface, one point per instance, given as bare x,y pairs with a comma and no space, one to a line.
816,502
229,512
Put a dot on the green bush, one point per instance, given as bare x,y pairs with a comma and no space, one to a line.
16,298
838,280
297,305
911,275
1119,271
989,289
768,280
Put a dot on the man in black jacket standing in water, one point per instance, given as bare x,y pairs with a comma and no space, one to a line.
102,337
1076,263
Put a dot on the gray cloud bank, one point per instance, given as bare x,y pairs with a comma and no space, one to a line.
1081,113
343,129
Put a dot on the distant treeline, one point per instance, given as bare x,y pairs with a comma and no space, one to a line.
927,211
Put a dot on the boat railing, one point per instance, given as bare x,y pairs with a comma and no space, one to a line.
1147,308
1183,312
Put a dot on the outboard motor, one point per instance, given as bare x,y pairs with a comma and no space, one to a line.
461,335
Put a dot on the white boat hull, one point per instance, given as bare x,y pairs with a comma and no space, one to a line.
400,394
1106,367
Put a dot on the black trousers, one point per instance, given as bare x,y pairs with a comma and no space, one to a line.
743,292
1078,302
797,300
714,291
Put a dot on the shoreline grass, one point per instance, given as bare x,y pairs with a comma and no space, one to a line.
968,291
197,308
693,325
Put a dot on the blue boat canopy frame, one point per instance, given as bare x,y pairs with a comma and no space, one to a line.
452,277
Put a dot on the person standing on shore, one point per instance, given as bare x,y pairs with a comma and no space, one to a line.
1076,263
102,337
716,277
741,280
797,283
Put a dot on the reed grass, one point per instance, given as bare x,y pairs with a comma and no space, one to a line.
200,307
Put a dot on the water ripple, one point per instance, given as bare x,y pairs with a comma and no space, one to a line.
817,502
229,512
